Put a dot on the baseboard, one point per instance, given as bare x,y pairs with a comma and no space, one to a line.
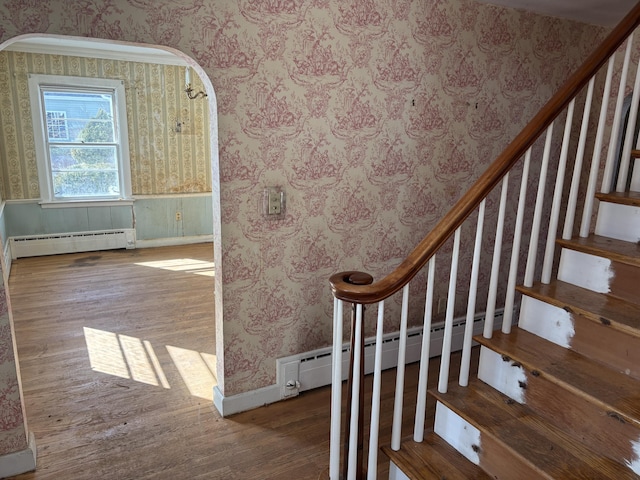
245,401
71,242
309,370
19,462
174,241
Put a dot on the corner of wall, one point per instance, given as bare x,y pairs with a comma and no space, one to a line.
19,462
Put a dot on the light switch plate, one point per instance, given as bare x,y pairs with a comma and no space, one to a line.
273,203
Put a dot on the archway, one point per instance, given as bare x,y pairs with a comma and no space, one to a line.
185,61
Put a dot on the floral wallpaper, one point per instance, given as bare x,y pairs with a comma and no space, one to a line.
163,160
13,428
373,116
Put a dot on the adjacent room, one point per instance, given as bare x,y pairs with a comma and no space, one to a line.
107,230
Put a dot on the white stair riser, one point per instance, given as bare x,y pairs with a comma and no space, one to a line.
547,321
502,375
585,270
395,473
458,433
618,221
634,463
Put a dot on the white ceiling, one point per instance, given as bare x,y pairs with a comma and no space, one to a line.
596,12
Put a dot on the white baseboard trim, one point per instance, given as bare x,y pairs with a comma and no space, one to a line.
245,401
174,241
309,370
71,242
19,462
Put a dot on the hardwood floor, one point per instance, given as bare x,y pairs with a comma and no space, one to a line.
109,348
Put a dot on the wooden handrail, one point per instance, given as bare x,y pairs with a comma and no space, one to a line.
417,259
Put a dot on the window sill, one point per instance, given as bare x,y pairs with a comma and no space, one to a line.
87,203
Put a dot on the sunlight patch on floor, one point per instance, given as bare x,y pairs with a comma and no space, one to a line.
139,364
130,357
124,356
156,364
105,354
196,369
188,265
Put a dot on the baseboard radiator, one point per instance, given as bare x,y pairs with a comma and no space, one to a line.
52,244
313,369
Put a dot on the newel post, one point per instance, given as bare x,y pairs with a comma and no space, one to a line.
357,336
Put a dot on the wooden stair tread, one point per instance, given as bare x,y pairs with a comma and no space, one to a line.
614,391
433,459
622,198
601,308
617,250
550,451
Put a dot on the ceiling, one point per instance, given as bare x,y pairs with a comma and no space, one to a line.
596,12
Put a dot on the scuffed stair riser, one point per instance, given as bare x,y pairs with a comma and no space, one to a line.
604,431
491,455
571,330
599,274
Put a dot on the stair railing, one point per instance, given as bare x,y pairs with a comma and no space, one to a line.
358,289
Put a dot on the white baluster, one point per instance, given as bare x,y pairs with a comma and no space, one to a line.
537,214
372,470
396,428
336,392
465,361
507,318
355,397
445,359
625,160
577,167
607,176
585,224
421,403
495,264
547,262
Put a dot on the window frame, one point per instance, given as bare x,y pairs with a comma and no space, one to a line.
81,84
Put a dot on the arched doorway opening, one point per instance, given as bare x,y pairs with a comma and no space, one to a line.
155,55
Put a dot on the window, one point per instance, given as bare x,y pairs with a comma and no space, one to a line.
80,133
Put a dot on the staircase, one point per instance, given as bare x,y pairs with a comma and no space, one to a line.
558,395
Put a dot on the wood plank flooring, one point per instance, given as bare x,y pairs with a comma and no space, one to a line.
108,343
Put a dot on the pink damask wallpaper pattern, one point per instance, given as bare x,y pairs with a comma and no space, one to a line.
374,116
13,431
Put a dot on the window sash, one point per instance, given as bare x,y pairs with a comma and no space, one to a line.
107,173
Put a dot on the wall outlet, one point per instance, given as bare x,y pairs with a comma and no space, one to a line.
178,216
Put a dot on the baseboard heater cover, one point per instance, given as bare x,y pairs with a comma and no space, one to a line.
313,369
74,242
309,370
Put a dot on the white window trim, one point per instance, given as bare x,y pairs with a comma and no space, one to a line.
39,129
